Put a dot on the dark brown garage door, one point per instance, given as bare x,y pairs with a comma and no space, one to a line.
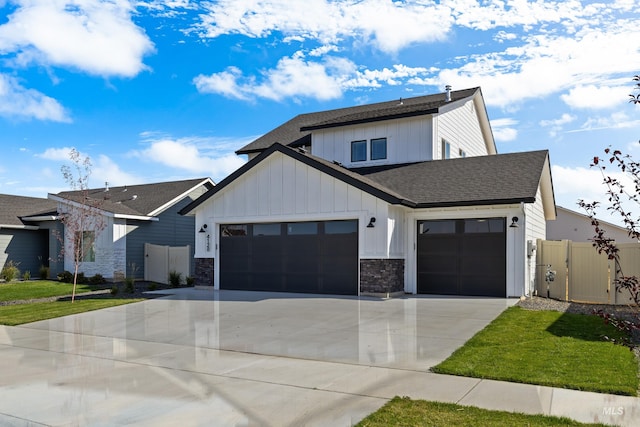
310,257
462,257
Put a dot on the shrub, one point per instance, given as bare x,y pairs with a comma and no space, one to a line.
152,286
43,272
175,278
65,277
114,290
128,285
96,279
26,275
10,271
190,281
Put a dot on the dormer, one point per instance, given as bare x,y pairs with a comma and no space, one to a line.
446,125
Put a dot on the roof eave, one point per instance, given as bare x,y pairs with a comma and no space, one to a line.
488,202
370,120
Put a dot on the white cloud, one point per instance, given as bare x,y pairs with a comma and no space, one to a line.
617,120
557,125
390,26
57,154
97,37
211,157
572,184
18,101
106,170
292,77
595,97
503,129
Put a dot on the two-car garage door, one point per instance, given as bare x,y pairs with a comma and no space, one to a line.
311,257
462,257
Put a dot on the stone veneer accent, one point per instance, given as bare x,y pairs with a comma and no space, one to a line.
204,272
381,276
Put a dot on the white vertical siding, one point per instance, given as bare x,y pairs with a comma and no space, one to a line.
535,229
461,128
289,190
408,140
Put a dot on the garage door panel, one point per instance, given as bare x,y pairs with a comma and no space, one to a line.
437,283
468,258
317,257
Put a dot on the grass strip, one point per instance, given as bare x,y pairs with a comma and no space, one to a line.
402,411
13,315
547,348
33,289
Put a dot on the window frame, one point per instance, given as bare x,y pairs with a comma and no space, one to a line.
358,143
372,151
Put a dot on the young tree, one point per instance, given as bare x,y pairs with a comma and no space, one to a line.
623,198
81,214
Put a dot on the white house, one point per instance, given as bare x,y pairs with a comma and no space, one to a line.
402,196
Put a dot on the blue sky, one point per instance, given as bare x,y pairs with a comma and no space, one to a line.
156,90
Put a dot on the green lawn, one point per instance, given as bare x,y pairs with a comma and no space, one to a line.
33,289
13,315
24,313
547,348
406,412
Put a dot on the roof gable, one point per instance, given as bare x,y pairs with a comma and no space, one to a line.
471,181
297,131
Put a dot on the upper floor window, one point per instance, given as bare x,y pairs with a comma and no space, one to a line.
378,148
359,151
462,153
446,149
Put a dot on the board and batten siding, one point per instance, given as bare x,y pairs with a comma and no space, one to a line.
27,249
461,128
281,189
408,140
535,229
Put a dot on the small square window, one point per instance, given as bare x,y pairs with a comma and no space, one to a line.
358,151
378,148
462,153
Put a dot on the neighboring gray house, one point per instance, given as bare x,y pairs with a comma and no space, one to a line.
25,233
134,215
406,196
576,226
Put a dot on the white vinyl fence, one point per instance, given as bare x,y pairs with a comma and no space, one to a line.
160,260
575,271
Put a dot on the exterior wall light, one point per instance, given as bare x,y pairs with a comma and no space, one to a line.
203,228
514,222
372,222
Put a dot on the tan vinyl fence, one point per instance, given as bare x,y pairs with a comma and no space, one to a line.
160,260
580,273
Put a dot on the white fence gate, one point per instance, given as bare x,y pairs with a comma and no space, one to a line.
160,260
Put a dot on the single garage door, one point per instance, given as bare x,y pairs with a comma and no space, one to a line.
462,257
310,257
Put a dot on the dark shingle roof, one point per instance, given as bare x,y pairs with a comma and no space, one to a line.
138,200
472,181
495,179
13,208
297,131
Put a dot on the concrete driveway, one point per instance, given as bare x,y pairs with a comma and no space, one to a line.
203,358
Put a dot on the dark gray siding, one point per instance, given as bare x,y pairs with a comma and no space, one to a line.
172,229
28,249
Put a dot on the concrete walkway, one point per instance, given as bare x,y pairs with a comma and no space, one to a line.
202,358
